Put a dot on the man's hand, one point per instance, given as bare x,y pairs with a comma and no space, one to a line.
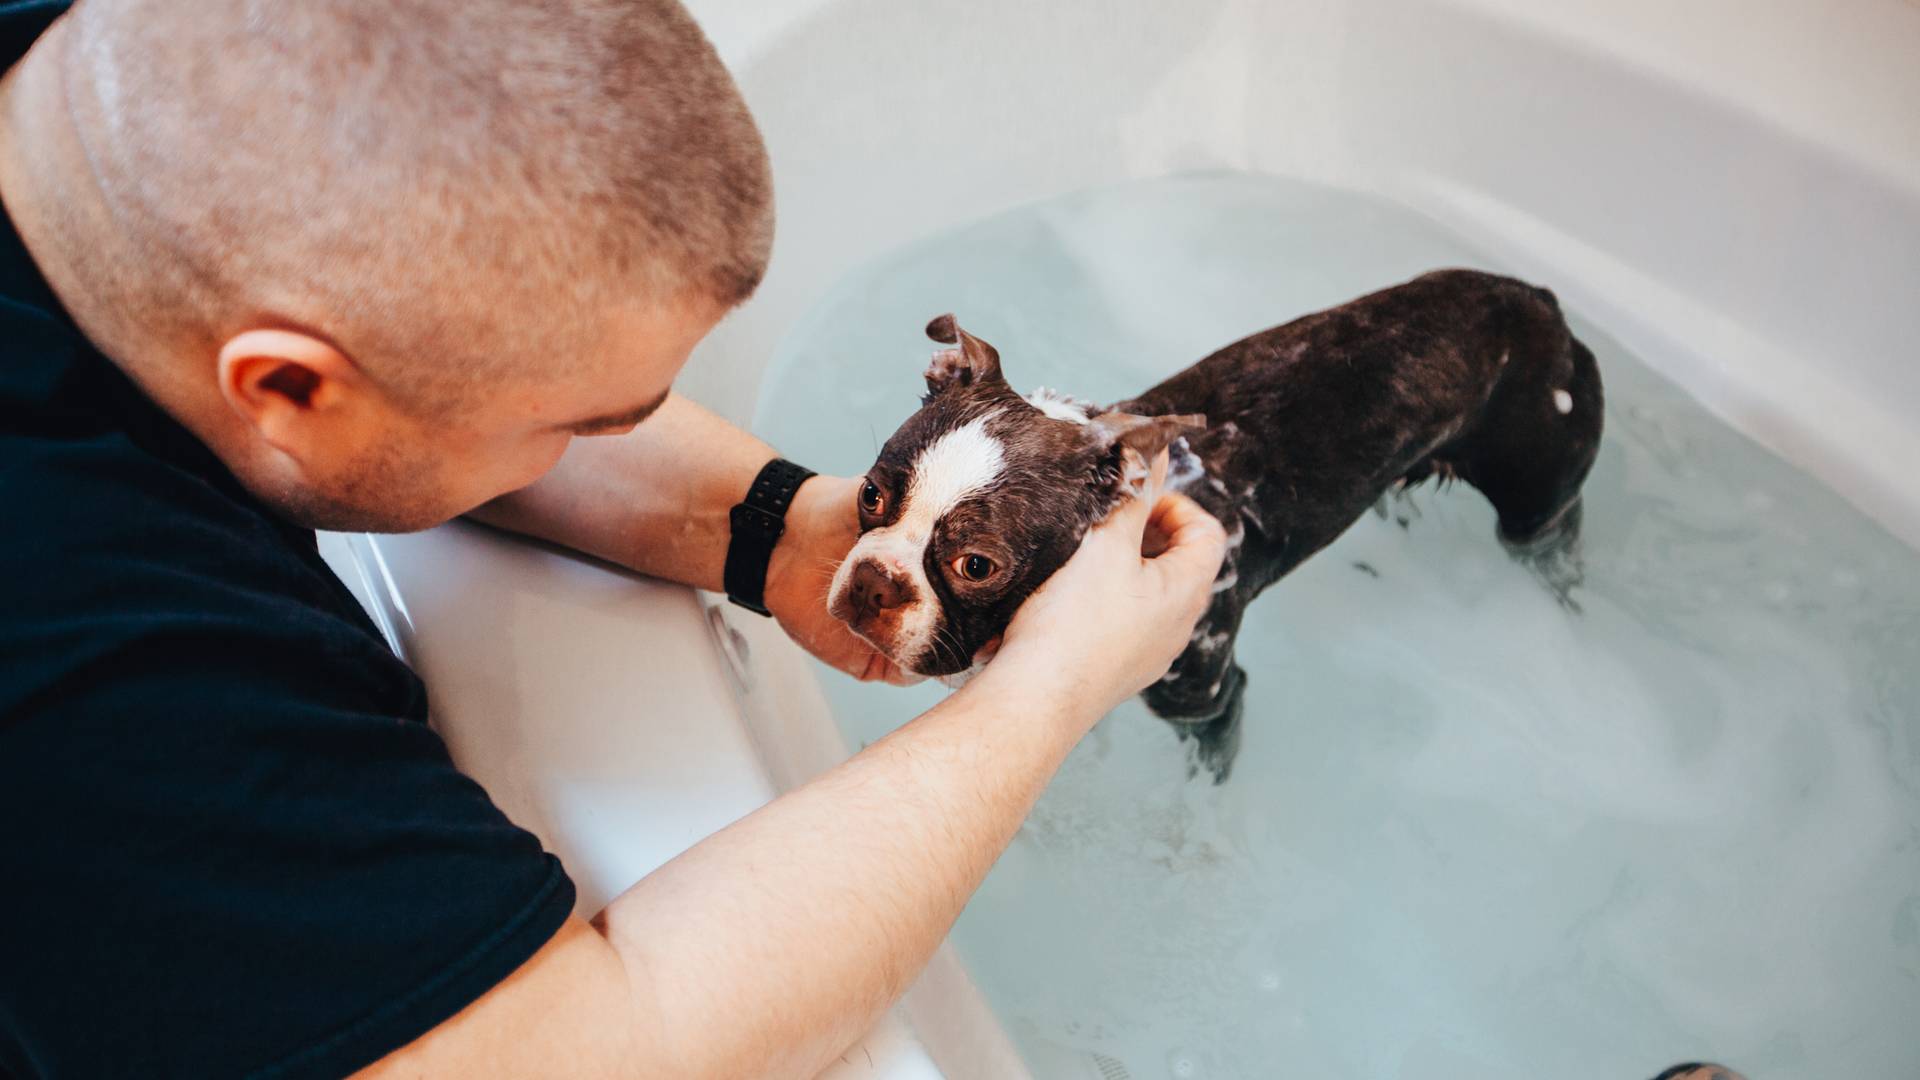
1111,621
657,499
844,886
822,526
766,949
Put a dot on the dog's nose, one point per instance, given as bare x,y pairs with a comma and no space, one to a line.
874,589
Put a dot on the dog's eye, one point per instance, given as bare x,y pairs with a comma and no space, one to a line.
974,567
870,498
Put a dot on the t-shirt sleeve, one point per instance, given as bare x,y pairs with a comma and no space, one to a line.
232,845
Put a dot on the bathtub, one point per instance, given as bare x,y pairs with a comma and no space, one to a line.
1734,187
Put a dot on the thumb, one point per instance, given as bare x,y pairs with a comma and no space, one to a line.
1129,516
1196,543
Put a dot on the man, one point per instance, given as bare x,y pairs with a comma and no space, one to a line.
271,267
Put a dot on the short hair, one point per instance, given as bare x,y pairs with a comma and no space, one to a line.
403,170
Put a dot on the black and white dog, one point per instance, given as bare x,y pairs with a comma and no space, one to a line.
1287,437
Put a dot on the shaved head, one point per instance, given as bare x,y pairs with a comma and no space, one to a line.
452,192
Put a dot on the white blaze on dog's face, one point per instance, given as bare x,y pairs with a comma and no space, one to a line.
884,587
972,504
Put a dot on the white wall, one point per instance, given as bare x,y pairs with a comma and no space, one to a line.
1731,188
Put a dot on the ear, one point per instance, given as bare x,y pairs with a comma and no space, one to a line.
1130,443
1144,435
974,361
279,381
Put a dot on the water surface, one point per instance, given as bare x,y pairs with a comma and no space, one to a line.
1470,834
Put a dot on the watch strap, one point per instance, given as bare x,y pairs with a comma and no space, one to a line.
757,523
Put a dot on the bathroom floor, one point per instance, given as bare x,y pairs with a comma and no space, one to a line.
1471,833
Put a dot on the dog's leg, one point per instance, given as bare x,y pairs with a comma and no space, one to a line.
1217,741
1530,455
1203,694
1552,555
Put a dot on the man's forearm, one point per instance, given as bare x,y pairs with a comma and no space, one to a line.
793,929
767,948
654,499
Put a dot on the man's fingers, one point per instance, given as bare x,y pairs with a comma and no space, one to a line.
1175,515
1157,477
1128,520
1196,543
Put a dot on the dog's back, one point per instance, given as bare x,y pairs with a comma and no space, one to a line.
1287,437
1457,374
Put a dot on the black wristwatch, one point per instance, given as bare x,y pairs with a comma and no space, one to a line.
758,520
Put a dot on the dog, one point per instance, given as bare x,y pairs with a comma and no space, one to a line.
1287,437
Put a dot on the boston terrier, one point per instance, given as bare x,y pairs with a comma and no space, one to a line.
1287,437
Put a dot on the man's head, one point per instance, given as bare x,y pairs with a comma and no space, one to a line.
976,500
387,258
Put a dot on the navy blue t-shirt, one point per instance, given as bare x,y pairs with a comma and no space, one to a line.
230,845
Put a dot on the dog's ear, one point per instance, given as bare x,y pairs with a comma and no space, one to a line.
1144,435
973,361
1115,433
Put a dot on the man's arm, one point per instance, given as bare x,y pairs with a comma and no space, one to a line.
767,948
656,500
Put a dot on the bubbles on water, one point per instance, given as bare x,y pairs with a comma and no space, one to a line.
1469,830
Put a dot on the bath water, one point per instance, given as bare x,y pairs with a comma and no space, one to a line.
1471,833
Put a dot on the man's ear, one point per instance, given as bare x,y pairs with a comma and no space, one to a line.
277,380
974,361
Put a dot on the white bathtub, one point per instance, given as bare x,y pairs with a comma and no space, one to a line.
1734,187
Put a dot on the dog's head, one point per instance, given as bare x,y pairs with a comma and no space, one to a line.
977,500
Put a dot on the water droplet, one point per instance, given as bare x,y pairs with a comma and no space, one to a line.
1269,980
1184,1064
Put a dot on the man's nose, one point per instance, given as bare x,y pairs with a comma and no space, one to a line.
874,589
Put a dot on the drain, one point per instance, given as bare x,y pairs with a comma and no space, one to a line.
1111,1068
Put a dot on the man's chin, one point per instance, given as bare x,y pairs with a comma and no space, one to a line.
314,511
380,493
